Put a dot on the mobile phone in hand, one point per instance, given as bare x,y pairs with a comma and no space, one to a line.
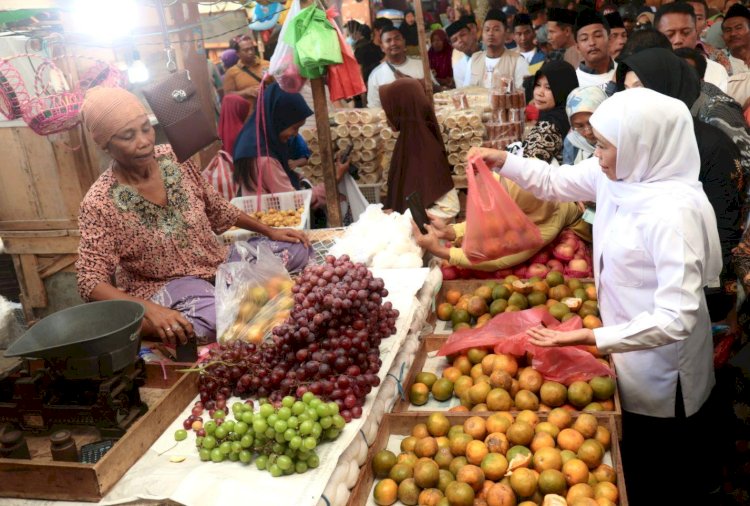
418,213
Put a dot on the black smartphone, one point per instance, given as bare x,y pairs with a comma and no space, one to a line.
418,213
187,352
346,153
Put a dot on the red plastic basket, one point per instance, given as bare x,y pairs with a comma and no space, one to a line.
12,90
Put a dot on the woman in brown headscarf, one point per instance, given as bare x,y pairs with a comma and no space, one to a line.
149,224
419,162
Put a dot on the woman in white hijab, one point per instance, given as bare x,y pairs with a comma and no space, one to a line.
656,246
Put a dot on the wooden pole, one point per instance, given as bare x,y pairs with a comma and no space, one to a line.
423,48
320,105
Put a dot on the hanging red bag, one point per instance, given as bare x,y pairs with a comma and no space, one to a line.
495,225
219,174
345,79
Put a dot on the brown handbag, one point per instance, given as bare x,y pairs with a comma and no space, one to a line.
177,106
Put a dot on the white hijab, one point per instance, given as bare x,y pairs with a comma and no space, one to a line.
657,160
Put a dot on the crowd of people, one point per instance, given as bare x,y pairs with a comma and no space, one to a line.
638,142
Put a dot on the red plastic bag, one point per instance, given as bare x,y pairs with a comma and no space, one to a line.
345,79
500,327
219,174
495,225
506,333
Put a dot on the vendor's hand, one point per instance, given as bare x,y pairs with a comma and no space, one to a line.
289,235
442,229
430,241
494,158
341,169
542,336
168,324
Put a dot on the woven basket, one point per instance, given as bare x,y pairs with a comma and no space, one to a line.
51,112
101,74
12,91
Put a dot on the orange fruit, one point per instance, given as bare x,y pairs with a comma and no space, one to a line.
497,442
420,431
475,452
560,417
553,394
575,471
542,440
569,439
547,458
529,417
547,427
498,399
604,437
386,492
444,311
523,481
460,494
507,363
497,422
426,447
530,379
578,491
500,379
606,490
552,481
452,296
592,322
451,373
591,452
463,364
458,444
475,427
472,475
429,497
500,494
520,433
494,466
605,473
586,424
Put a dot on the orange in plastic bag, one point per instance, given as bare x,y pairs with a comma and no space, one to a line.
495,225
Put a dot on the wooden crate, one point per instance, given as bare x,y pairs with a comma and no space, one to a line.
69,481
433,343
402,424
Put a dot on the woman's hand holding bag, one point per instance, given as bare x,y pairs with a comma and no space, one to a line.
495,225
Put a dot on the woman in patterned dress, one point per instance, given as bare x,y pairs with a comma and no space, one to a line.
149,224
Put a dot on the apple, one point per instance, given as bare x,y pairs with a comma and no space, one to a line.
555,265
538,270
579,265
449,272
540,258
564,251
520,272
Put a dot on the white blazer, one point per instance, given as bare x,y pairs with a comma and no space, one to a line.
650,288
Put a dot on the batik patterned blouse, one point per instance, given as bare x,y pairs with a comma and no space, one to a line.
145,245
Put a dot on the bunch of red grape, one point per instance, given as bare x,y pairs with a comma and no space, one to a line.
329,345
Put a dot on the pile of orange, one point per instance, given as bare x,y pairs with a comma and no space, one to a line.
500,460
486,381
563,298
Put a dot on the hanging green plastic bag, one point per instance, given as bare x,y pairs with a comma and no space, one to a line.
315,42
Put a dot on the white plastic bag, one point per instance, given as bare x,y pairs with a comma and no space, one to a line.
282,67
354,198
251,299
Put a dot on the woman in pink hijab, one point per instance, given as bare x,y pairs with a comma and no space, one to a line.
234,111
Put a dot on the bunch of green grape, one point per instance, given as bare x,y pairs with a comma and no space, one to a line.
282,440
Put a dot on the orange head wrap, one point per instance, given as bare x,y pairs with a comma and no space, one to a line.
108,110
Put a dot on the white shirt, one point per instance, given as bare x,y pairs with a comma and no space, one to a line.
382,75
649,286
716,74
461,69
600,80
521,71
738,66
528,55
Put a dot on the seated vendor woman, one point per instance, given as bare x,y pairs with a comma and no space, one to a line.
148,226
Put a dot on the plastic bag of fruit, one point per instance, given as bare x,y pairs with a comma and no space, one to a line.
495,225
251,299
506,333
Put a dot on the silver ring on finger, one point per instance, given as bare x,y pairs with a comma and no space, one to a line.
168,330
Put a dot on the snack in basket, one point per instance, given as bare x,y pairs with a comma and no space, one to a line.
500,460
280,218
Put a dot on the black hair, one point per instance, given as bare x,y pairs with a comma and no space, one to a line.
522,19
353,26
365,32
674,8
381,23
688,53
388,29
496,15
644,39
703,3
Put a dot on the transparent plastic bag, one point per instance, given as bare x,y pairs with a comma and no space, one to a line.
495,225
282,67
251,299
